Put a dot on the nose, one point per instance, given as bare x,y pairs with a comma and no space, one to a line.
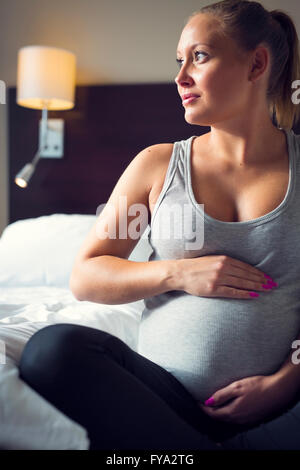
183,78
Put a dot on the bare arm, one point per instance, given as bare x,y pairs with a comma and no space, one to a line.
113,280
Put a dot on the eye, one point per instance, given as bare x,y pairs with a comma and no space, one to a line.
179,61
200,52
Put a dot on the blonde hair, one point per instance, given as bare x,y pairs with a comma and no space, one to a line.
250,24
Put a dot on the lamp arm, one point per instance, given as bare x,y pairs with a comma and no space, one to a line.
44,133
36,157
44,125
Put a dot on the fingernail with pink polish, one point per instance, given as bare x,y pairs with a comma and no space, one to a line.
209,402
267,286
254,294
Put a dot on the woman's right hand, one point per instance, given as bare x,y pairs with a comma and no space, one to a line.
221,276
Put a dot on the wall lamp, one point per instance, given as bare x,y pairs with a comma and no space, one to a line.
46,81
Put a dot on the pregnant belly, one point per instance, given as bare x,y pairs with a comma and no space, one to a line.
208,343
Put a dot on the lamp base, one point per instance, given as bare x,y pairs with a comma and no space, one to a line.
51,138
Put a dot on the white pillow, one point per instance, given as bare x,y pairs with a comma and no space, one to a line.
41,251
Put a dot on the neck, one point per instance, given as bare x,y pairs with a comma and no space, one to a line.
246,142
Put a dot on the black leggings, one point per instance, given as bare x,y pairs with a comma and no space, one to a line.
126,401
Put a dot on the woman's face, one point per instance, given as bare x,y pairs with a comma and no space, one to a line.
212,67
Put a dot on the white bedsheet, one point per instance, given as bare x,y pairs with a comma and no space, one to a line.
27,420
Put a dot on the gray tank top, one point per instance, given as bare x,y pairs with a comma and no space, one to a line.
208,343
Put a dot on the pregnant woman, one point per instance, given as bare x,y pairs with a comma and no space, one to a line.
216,365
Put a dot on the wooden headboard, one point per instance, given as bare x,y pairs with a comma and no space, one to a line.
107,127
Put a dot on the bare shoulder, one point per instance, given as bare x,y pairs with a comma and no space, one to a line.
143,170
158,154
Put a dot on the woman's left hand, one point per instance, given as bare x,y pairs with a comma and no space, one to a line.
250,400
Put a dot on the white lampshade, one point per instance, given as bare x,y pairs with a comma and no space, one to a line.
46,78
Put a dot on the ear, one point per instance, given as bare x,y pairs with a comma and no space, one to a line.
260,63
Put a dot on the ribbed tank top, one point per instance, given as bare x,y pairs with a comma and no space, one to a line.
208,342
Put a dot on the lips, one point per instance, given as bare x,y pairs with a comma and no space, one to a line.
189,98
189,95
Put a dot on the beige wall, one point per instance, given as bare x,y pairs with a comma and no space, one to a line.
115,41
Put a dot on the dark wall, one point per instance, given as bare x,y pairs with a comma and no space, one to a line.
108,126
